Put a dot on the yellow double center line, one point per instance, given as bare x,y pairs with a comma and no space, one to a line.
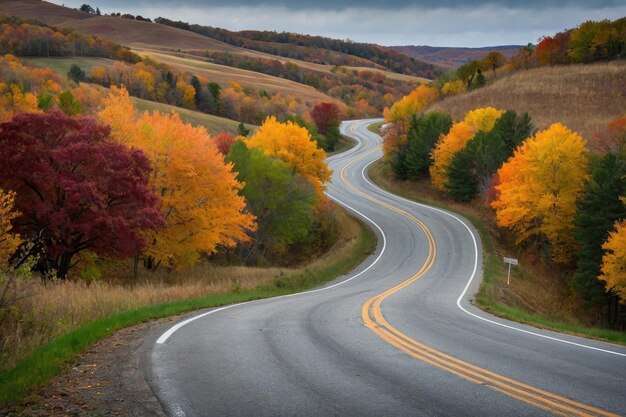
375,321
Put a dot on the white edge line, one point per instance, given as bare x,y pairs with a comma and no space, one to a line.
163,338
458,301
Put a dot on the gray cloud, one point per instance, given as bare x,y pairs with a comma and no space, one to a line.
487,24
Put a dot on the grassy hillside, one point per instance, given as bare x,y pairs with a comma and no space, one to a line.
213,124
583,97
142,35
223,75
258,72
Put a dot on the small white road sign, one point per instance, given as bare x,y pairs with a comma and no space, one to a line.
510,261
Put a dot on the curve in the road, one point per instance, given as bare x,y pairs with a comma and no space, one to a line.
292,356
375,321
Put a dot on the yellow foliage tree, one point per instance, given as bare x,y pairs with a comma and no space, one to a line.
13,100
9,241
293,144
119,112
445,148
539,186
452,88
410,104
482,119
614,261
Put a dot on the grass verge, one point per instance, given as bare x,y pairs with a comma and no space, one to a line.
52,358
375,127
494,279
343,144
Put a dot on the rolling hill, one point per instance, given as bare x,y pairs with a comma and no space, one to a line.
583,97
452,58
141,35
189,52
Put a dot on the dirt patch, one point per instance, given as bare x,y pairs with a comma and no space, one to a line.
104,381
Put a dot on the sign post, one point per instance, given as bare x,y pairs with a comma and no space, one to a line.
510,261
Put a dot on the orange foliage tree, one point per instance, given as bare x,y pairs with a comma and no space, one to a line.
614,261
479,120
293,144
9,241
199,192
539,186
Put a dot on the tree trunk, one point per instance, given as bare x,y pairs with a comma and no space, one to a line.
136,266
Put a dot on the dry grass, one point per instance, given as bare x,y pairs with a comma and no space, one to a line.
583,97
54,309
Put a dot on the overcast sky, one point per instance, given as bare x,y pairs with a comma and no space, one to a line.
392,22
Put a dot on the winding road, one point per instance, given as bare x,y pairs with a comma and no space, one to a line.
398,336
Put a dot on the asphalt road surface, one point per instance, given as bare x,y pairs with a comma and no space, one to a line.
398,336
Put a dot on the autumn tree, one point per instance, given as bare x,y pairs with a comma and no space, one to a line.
553,50
69,105
224,141
412,103
445,148
472,172
280,199
479,120
293,144
198,192
9,240
467,72
598,210
492,61
539,187
611,139
614,261
76,190
326,118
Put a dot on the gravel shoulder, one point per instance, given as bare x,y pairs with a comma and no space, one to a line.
106,380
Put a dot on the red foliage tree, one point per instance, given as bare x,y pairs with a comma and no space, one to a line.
553,50
76,189
224,141
325,116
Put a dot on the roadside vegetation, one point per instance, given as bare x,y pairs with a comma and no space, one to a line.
548,194
115,210
140,186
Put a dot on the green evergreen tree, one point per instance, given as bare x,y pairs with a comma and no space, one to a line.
512,129
491,149
216,90
76,74
597,212
398,163
462,182
242,130
423,133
